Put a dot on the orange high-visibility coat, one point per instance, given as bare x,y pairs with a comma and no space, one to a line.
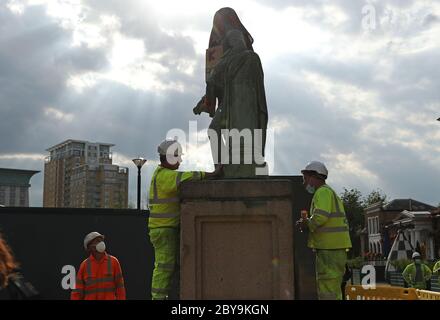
99,280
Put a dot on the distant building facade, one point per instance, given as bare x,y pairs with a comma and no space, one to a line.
418,228
80,174
14,187
381,221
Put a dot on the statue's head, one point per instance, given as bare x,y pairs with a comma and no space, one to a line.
225,20
234,39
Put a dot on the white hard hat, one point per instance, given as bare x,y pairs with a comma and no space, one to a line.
415,255
90,237
170,146
317,167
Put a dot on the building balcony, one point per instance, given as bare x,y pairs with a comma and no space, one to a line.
123,170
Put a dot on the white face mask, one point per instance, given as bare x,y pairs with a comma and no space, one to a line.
100,247
310,189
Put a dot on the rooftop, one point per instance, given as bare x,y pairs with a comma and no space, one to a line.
69,141
16,177
407,204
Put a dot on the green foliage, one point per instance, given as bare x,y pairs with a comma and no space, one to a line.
355,217
355,263
353,208
374,197
430,264
354,205
401,264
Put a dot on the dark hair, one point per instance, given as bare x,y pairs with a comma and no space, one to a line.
7,262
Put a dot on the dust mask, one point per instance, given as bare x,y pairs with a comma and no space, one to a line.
100,247
310,189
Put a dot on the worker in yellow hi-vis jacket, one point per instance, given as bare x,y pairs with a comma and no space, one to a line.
328,231
417,274
164,219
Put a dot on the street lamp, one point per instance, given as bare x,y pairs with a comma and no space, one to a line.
139,162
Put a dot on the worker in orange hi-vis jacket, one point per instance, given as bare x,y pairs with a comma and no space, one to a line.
100,275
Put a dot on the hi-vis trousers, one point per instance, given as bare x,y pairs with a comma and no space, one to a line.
330,268
166,249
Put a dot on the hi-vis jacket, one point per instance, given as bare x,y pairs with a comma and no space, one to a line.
327,222
99,280
410,275
164,196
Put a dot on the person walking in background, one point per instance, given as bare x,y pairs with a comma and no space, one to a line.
100,275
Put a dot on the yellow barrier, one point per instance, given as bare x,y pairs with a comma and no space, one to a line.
357,292
427,295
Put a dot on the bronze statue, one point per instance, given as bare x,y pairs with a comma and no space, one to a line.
235,84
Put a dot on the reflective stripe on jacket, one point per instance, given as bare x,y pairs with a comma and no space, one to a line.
164,200
99,280
328,224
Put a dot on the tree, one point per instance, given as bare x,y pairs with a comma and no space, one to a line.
374,197
354,205
354,210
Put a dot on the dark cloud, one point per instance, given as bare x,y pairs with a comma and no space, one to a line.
35,62
430,19
144,25
37,59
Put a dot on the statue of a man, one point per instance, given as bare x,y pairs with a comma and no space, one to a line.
235,84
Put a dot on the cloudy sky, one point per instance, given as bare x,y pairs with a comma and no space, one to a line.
353,83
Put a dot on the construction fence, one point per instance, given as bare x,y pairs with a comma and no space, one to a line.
384,292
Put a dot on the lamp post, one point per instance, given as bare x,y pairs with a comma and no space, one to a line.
139,162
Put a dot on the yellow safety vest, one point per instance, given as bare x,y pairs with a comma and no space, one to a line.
164,199
409,274
328,224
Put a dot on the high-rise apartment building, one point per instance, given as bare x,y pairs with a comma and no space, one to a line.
14,187
80,174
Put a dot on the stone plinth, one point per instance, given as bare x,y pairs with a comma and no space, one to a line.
236,240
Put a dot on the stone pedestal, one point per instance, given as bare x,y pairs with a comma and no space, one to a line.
237,239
